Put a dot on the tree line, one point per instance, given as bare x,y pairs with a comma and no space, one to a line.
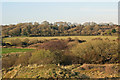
59,29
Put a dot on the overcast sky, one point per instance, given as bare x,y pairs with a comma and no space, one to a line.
75,12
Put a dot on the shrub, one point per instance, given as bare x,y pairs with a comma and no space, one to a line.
9,61
25,42
42,57
47,57
16,42
113,30
34,41
76,39
69,39
71,44
54,45
66,59
23,59
95,51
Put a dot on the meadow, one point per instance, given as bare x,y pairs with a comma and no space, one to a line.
13,50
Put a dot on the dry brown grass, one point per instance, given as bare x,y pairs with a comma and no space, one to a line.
87,38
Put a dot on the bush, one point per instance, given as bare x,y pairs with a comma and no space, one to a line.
25,42
23,59
42,57
9,61
16,42
66,60
34,41
54,45
96,51
22,43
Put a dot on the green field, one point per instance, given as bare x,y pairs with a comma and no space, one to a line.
10,50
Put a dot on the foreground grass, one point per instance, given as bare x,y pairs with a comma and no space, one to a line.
73,71
10,50
87,38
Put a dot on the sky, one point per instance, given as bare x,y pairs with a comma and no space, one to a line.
59,0
74,12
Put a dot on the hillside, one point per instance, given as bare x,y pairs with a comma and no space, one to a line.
58,29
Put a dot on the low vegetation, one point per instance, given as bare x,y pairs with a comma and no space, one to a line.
27,41
97,52
68,54
13,50
71,51
52,71
43,57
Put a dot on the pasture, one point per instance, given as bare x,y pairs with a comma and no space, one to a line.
87,38
11,50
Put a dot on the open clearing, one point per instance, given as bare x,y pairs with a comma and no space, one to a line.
10,50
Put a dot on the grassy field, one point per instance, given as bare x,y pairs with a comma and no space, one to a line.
10,50
88,38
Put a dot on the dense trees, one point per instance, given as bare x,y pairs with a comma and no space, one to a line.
58,29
